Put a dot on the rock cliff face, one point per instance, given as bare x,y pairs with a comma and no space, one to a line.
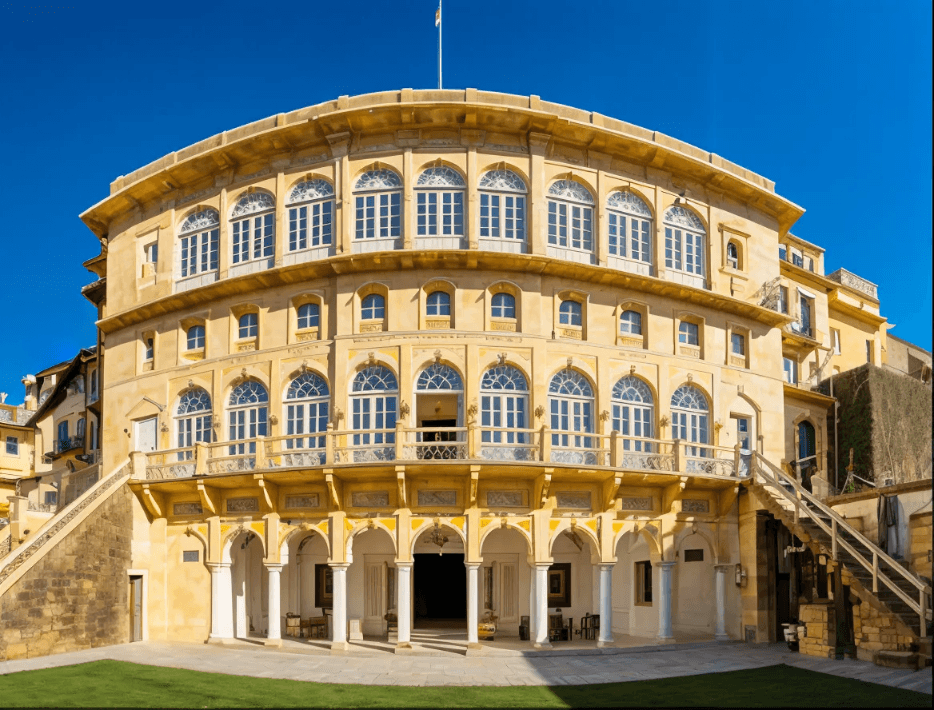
76,596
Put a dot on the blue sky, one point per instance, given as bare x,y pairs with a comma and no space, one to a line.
832,100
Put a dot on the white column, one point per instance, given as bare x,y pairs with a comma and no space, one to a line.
274,632
221,597
339,617
720,632
533,613
606,606
665,634
541,607
404,603
472,577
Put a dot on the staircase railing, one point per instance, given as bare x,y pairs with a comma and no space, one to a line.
779,480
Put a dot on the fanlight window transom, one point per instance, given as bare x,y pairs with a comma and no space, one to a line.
374,378
440,177
632,389
252,203
504,377
504,405
570,216
633,413
310,215
248,393
199,239
308,190
571,191
378,210
306,386
571,383
247,417
205,219
689,418
502,181
502,205
687,397
439,377
194,400
193,421
684,241
378,180
440,203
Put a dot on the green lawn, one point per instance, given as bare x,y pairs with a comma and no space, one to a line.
115,683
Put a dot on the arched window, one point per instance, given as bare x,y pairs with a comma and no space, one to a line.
438,303
309,316
373,307
373,400
79,433
571,401
247,416
732,255
378,199
192,421
504,407
198,238
311,209
446,389
439,377
689,418
503,305
570,216
633,413
306,411
570,313
253,227
440,203
684,241
630,224
630,322
502,205
248,326
807,443
195,338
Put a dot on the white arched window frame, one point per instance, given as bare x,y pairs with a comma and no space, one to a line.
442,379
194,338
503,305
373,307
571,403
630,323
307,402
571,313
247,416
504,414
378,205
253,228
502,207
438,303
685,237
198,239
690,419
629,221
193,420
374,395
439,198
570,217
308,315
248,326
633,413
311,215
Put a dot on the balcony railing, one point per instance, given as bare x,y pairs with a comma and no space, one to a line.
60,446
427,445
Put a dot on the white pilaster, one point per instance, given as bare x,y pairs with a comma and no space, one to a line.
541,607
665,634
339,630
720,632
404,603
274,632
533,613
606,606
472,576
221,608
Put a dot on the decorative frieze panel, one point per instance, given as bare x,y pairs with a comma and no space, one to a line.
573,499
505,499
570,333
636,503
242,505
631,342
508,327
842,276
435,498
370,499
305,500
689,351
695,505
187,509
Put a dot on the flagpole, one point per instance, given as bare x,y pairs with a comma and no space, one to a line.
440,19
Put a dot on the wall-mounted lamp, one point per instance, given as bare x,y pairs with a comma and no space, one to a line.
740,575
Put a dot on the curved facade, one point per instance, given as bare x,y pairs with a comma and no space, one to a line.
390,325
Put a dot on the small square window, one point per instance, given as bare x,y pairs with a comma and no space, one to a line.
644,583
570,313
309,316
688,333
248,326
191,556
783,299
12,446
693,555
790,370
195,338
868,351
738,343
51,497
149,349
152,253
835,336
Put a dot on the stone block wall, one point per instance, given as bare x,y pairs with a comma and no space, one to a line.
76,596
919,553
875,631
820,620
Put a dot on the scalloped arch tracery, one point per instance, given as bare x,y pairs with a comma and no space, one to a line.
571,190
197,221
308,190
251,203
629,202
682,217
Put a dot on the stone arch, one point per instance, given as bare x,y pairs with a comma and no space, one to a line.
506,524
422,529
228,540
192,531
565,525
685,533
298,532
365,526
636,531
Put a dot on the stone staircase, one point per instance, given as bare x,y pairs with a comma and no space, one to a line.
872,574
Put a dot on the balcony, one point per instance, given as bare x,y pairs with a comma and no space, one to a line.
62,446
428,446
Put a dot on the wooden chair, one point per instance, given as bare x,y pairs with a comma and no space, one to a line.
392,622
559,629
590,627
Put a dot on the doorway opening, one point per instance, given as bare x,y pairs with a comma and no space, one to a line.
439,591
136,608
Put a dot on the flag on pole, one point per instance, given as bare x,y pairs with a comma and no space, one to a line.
438,15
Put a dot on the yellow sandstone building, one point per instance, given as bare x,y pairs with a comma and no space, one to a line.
421,356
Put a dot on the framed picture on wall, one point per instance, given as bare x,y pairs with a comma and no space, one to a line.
324,587
559,585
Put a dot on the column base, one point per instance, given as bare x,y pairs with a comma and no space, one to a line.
403,648
606,644
276,643
220,640
542,646
664,639
721,637
339,648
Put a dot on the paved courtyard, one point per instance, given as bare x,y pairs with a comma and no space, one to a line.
367,665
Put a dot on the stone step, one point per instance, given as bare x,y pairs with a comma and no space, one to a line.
899,659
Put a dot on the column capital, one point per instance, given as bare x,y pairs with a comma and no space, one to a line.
270,566
339,565
217,566
607,566
664,564
543,565
404,564
724,566
472,565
